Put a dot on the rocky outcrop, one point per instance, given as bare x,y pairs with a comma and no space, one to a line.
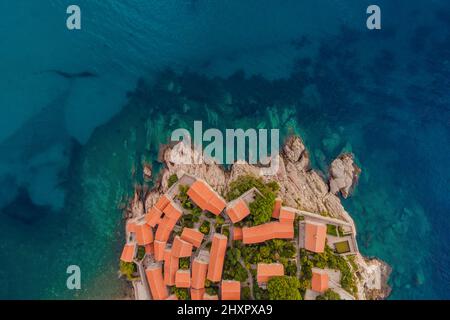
344,174
300,187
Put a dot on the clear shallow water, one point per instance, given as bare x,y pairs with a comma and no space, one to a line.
67,156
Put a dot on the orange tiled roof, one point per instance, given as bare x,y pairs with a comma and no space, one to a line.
165,227
205,197
149,249
171,264
156,282
287,215
197,294
162,202
172,297
153,217
144,234
217,255
265,271
267,231
276,208
159,248
199,270
173,211
237,210
315,235
131,227
237,233
319,281
231,290
183,279
128,252
181,248
209,297
192,236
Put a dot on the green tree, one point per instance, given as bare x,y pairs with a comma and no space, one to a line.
128,269
284,288
329,295
172,180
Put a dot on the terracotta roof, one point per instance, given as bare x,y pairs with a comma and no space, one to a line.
287,215
319,281
183,279
165,227
173,210
153,217
205,197
315,235
144,234
231,290
209,297
276,208
172,297
265,271
131,226
128,252
181,248
217,255
162,202
237,233
237,210
199,270
170,267
192,236
197,294
159,247
149,249
156,282
267,231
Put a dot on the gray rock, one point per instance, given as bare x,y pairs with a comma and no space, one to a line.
344,174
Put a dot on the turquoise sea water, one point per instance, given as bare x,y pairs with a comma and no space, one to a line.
71,149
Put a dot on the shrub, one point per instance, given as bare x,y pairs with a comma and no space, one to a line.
181,293
185,263
329,295
172,180
284,288
128,269
204,228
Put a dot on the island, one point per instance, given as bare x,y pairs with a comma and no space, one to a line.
205,232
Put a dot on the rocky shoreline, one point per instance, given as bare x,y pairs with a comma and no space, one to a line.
301,187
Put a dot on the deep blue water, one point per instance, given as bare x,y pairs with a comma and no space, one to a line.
68,148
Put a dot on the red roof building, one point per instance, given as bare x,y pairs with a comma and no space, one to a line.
319,281
276,208
199,271
287,215
315,236
128,252
144,234
205,197
267,231
153,217
237,210
156,282
171,265
181,248
159,248
216,257
237,233
162,202
265,271
197,294
230,290
192,236
183,279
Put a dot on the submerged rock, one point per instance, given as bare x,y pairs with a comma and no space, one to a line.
344,174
